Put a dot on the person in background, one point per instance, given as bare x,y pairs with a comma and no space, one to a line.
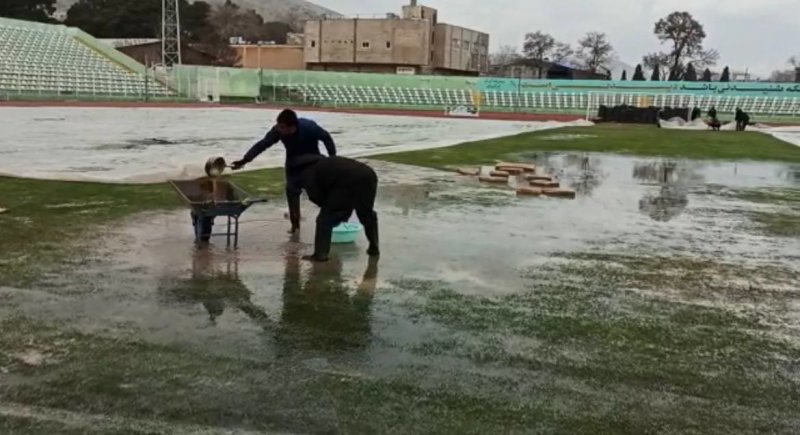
338,186
738,117
300,137
712,112
745,120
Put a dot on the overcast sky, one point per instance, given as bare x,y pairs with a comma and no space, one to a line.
757,34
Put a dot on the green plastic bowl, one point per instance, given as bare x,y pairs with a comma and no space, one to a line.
346,233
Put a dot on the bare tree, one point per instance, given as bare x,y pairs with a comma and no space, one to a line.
296,18
538,47
504,55
656,62
686,35
595,50
562,52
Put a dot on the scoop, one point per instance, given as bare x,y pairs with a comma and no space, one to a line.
215,166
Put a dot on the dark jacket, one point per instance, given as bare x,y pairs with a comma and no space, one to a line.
305,141
333,182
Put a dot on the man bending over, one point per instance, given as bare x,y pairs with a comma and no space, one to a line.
338,186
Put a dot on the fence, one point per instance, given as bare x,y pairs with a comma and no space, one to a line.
336,89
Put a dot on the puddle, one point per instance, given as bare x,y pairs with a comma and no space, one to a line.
478,293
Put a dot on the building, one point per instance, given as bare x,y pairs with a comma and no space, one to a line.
269,56
534,69
148,51
414,43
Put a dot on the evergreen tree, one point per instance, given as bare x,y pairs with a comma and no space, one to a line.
656,77
691,74
726,75
638,75
707,75
624,75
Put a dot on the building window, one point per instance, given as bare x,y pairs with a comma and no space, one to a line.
313,43
456,42
466,45
365,44
388,44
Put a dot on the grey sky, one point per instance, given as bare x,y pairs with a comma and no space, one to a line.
757,34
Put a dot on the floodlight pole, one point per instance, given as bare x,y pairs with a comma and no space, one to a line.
170,33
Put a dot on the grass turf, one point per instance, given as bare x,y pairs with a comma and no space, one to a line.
136,380
610,138
43,214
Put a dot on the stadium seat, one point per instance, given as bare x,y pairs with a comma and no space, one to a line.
47,59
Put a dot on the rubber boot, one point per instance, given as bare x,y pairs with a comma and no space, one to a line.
293,199
322,241
371,231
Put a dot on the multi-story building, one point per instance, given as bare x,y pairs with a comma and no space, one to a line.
414,43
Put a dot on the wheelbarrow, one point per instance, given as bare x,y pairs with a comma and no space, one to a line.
212,197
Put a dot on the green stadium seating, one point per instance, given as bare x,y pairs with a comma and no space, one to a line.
47,59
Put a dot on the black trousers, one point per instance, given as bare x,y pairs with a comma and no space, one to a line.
293,192
339,206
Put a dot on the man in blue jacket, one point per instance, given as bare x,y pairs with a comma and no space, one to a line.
300,137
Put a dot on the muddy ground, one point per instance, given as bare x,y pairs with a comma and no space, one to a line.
663,299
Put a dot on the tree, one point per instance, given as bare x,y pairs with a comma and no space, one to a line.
194,20
276,31
505,55
706,75
538,46
134,19
296,18
30,10
656,76
656,62
562,52
691,74
795,62
686,36
117,18
638,75
726,75
594,50
624,75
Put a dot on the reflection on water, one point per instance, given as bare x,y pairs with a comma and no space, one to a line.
585,172
216,286
672,198
319,310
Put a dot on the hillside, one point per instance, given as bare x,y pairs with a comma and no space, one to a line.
269,9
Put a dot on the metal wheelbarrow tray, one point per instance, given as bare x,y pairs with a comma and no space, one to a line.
209,198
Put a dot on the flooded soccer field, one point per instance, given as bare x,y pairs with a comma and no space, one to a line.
664,298
153,144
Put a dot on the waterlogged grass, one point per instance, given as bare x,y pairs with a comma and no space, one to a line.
782,219
678,344
610,138
786,196
46,221
777,224
596,343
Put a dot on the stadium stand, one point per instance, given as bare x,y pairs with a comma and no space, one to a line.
56,60
583,97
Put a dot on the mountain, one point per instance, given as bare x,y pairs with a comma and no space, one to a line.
269,9
277,9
